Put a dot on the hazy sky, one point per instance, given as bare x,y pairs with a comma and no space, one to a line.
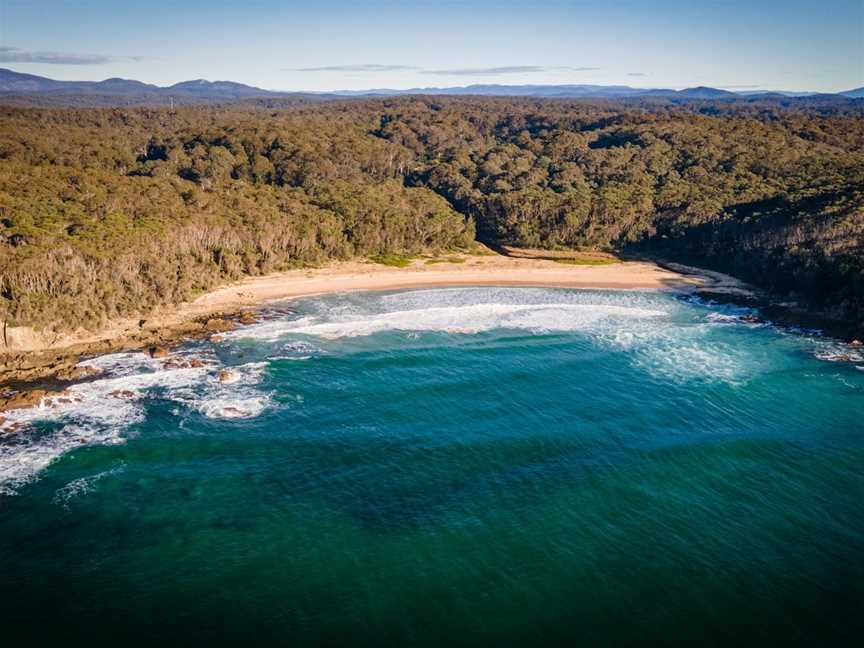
333,44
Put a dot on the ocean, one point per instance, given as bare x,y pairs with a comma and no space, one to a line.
462,466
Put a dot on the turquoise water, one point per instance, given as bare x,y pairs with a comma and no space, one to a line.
480,466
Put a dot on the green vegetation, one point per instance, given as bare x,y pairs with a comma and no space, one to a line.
478,249
585,259
107,213
111,212
394,260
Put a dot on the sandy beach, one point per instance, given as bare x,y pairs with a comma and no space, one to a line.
487,270
26,351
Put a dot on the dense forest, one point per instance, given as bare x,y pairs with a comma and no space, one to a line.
109,212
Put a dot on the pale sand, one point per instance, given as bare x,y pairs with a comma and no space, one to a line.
527,269
475,271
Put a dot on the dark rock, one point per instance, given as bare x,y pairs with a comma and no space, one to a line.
225,376
158,352
737,299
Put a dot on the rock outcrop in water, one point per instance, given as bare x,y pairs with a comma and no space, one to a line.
22,399
158,352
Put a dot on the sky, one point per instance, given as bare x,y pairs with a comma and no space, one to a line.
326,45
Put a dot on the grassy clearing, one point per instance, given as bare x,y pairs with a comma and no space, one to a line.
393,260
587,260
478,249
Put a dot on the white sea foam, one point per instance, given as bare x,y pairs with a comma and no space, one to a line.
646,326
835,353
665,338
722,317
290,350
235,397
735,317
81,486
24,456
123,364
268,331
538,318
233,407
101,411
475,318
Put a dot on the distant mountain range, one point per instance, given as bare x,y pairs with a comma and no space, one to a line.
19,84
560,91
12,82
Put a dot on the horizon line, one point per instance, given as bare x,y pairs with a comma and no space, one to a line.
734,88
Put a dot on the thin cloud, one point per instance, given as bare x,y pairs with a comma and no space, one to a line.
509,69
360,67
18,55
487,71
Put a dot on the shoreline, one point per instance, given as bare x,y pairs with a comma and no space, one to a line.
33,357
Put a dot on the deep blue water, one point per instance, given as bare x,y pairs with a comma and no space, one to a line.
482,466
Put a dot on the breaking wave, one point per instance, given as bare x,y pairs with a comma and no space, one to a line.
102,411
81,486
671,340
661,335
